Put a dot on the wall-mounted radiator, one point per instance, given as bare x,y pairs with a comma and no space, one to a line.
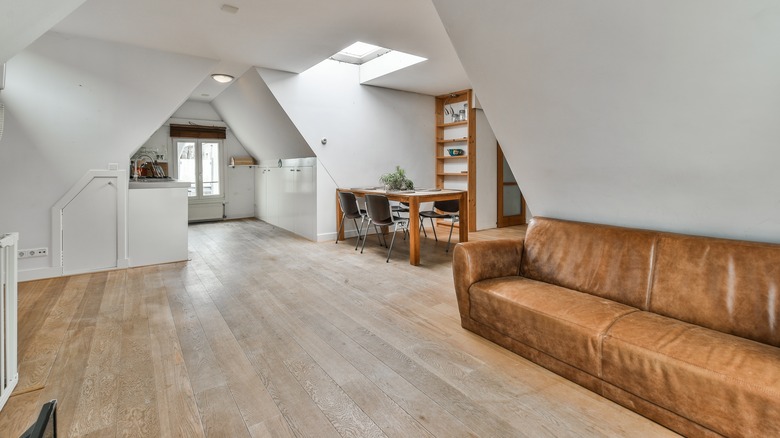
9,373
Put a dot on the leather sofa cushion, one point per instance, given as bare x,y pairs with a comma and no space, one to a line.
727,384
565,324
609,262
729,286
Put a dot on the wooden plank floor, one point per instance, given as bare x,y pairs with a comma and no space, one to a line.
263,334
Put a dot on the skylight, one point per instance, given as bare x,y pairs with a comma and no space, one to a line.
383,61
359,53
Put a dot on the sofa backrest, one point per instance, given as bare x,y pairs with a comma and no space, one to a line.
610,262
726,285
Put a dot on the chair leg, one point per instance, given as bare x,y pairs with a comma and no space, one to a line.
356,227
452,225
360,232
390,250
376,230
366,238
434,230
422,227
341,227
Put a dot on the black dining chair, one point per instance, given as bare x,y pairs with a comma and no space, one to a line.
380,214
442,210
351,210
401,207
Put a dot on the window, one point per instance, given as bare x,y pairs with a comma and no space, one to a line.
200,163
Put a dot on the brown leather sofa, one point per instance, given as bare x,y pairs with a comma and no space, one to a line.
683,330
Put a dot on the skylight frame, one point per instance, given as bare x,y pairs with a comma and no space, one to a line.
359,53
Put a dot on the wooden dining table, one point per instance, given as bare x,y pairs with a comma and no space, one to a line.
414,199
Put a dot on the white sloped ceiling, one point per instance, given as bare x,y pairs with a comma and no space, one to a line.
658,114
259,122
23,21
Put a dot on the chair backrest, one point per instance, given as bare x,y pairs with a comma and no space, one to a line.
450,206
349,205
378,207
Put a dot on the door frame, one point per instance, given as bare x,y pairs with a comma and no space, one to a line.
501,220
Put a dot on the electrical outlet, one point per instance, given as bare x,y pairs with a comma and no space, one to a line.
37,252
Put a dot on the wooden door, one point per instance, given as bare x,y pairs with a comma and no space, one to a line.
511,204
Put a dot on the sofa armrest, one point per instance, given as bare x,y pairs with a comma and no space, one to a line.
476,261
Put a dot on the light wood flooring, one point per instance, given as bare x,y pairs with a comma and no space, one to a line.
263,333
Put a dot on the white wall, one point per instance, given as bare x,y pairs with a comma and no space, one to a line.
326,206
74,104
369,130
487,159
658,114
240,181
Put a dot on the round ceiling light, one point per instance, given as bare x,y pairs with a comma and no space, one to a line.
222,78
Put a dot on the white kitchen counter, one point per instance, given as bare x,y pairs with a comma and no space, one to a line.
157,184
157,222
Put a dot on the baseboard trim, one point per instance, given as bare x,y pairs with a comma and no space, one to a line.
324,237
39,274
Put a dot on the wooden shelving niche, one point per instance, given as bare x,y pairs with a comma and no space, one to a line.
456,129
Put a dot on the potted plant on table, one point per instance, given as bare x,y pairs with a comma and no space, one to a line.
396,181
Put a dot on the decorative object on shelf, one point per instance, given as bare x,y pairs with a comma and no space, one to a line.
455,152
396,180
242,161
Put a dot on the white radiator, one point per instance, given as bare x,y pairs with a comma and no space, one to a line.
9,373
206,211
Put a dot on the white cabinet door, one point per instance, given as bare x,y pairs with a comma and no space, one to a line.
306,200
269,184
286,197
89,228
261,199
292,201
158,226
275,196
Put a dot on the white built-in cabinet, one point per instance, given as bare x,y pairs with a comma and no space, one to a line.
286,195
89,228
268,179
157,221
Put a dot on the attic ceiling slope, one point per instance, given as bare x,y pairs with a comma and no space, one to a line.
659,115
283,35
258,121
24,21
96,100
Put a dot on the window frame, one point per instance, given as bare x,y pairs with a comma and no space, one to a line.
199,196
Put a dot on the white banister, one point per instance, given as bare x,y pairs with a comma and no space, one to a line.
9,373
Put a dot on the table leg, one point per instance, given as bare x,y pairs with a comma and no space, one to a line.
414,231
464,218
